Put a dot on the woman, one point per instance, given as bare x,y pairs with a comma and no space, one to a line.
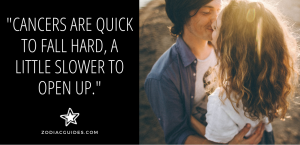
256,71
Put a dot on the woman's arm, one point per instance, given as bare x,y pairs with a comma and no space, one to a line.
197,126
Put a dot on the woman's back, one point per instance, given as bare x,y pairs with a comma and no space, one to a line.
224,122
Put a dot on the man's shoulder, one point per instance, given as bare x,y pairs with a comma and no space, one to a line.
168,61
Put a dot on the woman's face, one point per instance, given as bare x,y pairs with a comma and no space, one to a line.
216,25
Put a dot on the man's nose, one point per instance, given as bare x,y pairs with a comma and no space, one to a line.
214,16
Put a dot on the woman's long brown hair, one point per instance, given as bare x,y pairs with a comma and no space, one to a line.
256,61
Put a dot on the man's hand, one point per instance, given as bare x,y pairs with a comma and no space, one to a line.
197,126
253,139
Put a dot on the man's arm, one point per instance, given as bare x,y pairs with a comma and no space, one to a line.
253,139
238,139
168,107
197,126
196,139
200,129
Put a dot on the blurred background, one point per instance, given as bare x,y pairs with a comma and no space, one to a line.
154,39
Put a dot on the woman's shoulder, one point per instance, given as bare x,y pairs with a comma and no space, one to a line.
214,99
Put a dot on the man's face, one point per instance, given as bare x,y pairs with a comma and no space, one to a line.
200,24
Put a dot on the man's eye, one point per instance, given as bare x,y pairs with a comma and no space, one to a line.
206,13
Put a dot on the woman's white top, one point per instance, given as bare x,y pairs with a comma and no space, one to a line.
223,122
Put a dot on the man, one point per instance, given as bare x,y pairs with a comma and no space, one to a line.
175,87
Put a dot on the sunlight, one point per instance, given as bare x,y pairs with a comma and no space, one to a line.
259,38
250,15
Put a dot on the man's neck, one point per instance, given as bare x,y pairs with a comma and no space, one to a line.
199,47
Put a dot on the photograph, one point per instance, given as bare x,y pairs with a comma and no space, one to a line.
219,71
